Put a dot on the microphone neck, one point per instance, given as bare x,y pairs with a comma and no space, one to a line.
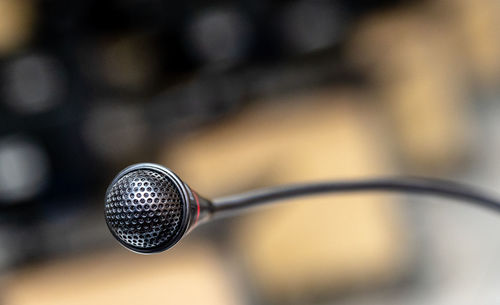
227,206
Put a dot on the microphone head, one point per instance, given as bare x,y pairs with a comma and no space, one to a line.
147,208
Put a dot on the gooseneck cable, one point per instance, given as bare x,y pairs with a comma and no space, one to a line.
428,186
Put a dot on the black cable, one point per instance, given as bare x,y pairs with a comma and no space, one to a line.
443,188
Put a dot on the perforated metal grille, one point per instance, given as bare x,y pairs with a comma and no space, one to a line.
144,209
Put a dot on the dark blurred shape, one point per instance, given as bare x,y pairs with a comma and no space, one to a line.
34,83
219,35
310,25
24,169
129,63
115,132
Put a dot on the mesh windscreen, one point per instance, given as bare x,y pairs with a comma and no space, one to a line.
144,209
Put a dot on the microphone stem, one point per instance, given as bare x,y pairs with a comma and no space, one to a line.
426,186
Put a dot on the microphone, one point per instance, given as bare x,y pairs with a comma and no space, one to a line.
148,208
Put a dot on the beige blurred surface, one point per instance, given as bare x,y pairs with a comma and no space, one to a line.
189,274
477,27
16,24
255,144
315,246
420,81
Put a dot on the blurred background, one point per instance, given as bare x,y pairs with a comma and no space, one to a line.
239,95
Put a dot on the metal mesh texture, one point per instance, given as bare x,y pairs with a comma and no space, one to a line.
144,209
